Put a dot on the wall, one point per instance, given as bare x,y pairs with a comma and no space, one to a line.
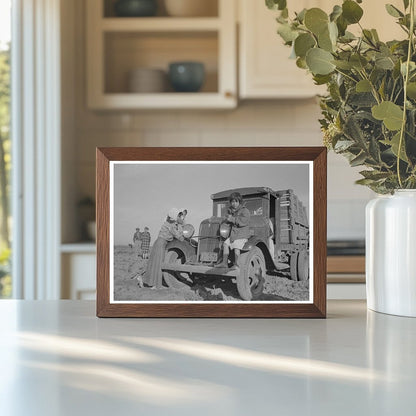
253,123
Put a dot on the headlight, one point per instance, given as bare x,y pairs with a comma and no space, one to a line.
225,230
188,231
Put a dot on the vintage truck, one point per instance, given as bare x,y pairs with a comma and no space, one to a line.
279,241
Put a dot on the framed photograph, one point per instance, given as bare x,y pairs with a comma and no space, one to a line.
211,232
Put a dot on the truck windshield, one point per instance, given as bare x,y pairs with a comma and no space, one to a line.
255,206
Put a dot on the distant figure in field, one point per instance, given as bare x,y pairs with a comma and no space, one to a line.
137,241
145,237
171,228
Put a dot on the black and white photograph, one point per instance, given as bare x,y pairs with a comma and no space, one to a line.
188,231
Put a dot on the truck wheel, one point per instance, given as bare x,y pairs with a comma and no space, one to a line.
250,280
294,266
303,265
170,276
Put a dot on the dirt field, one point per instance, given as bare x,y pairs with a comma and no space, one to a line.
127,266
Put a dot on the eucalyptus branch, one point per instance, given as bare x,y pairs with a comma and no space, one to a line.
398,95
369,40
406,79
392,91
404,28
373,88
346,75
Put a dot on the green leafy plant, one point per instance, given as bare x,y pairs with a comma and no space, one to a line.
369,113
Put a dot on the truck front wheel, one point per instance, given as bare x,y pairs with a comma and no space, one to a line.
250,280
170,276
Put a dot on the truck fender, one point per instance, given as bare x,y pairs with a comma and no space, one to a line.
263,246
252,242
184,246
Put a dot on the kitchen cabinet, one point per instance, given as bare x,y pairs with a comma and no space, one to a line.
118,45
78,263
265,70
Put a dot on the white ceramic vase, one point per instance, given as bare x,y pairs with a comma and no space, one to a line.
391,253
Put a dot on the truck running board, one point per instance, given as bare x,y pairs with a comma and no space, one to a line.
209,270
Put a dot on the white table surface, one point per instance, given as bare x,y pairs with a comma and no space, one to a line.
57,358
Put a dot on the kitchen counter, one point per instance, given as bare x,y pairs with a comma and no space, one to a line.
57,358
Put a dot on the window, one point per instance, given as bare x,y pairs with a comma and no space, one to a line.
255,206
5,145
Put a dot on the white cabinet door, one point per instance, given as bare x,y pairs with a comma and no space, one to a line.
78,276
265,68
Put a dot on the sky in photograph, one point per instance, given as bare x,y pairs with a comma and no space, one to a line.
144,193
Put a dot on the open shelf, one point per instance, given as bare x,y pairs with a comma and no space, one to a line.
116,46
127,51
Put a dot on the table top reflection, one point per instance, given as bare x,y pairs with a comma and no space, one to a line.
57,358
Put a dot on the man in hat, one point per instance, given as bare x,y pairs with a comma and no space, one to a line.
137,241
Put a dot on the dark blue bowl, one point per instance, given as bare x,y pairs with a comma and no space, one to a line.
186,76
135,8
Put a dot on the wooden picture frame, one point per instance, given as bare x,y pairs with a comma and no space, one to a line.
310,234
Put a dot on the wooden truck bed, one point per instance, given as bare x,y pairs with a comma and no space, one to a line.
294,224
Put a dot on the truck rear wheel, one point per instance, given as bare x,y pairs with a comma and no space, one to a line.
303,265
299,266
250,280
294,266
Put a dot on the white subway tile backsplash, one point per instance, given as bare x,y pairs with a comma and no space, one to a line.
306,114
161,119
280,137
88,140
169,138
346,219
279,116
341,180
235,137
202,120
96,120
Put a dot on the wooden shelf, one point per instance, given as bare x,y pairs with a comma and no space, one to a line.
160,24
197,100
346,264
81,247
346,269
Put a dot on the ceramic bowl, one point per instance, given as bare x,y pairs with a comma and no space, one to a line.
135,8
186,76
147,80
